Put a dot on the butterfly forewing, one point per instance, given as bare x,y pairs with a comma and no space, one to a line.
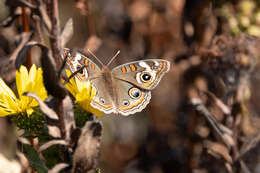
88,70
145,74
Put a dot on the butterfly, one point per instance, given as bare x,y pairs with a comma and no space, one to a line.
126,89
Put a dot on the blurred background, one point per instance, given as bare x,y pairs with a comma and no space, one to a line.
214,49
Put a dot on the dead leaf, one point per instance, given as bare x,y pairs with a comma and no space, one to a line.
244,167
139,10
67,32
250,144
10,19
44,16
227,139
229,167
203,131
22,3
51,143
87,151
18,57
44,108
82,5
68,116
57,168
93,43
219,149
226,110
246,125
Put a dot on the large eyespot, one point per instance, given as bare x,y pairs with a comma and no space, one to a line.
146,77
126,103
102,100
134,93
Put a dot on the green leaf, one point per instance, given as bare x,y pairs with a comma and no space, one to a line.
52,155
34,123
27,135
34,159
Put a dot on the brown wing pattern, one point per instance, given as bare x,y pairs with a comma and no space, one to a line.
125,98
76,61
137,72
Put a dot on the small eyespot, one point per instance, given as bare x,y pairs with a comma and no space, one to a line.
146,77
134,93
155,67
102,100
126,103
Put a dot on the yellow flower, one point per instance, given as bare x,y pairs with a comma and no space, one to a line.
25,82
83,92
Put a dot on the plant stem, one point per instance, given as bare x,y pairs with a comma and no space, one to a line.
26,28
55,31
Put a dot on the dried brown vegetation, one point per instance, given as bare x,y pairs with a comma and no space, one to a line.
204,115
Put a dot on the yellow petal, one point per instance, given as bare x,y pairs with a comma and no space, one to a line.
7,105
38,86
72,81
71,86
83,92
8,100
32,82
3,112
4,89
29,111
18,82
33,74
21,79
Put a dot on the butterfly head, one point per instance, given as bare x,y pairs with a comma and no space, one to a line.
107,65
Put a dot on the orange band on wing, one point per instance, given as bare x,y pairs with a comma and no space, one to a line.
133,105
86,62
132,67
123,69
93,66
147,84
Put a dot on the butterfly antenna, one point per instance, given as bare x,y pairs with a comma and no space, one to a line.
95,57
113,58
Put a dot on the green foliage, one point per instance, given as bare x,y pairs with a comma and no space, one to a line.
81,116
52,155
34,159
35,123
244,17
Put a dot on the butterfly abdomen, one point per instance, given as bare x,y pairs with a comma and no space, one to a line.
109,82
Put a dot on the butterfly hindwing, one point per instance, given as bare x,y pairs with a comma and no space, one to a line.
124,97
130,98
103,99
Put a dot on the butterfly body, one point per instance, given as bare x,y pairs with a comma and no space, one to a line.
126,89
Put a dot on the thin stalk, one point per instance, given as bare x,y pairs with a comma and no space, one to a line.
55,31
26,28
